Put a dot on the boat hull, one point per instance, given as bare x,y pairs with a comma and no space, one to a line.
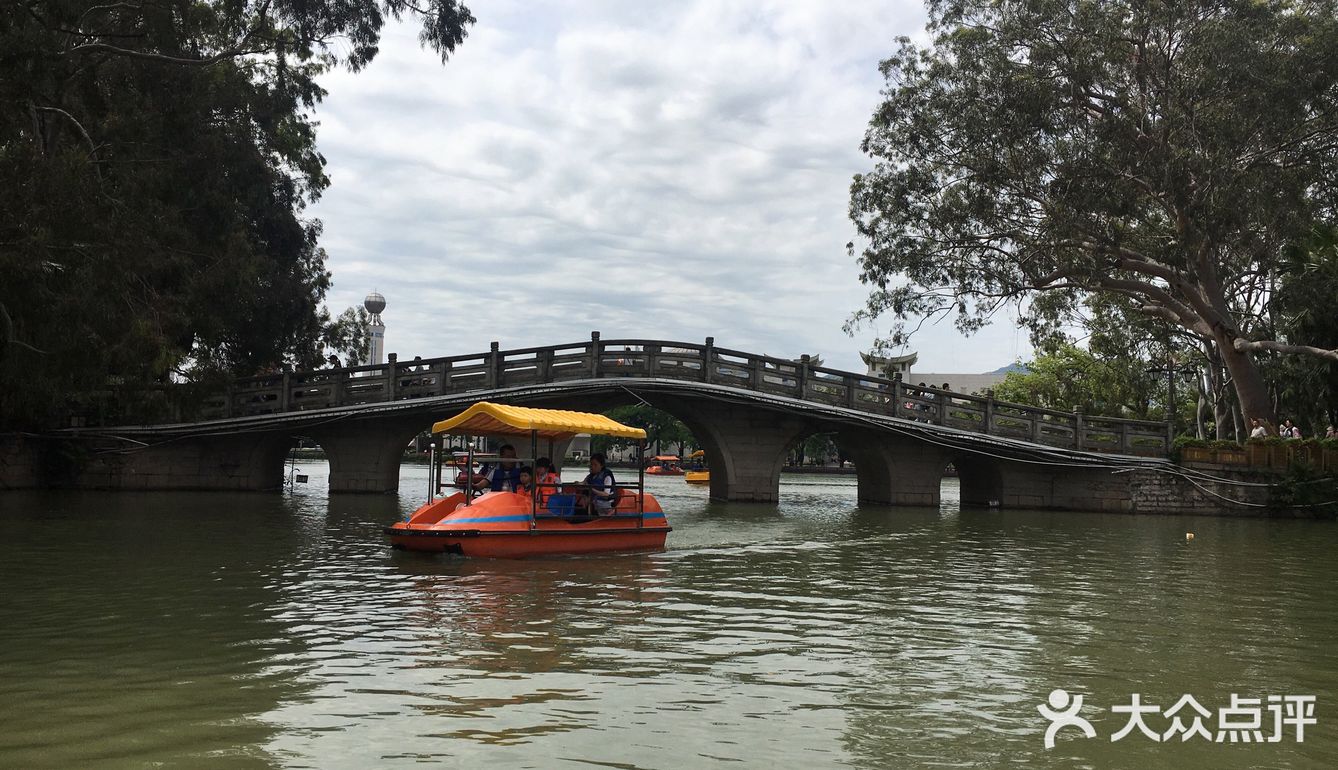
697,477
521,545
504,525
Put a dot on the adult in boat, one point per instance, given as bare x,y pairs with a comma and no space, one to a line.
601,490
500,476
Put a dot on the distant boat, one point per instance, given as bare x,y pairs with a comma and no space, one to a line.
664,465
698,472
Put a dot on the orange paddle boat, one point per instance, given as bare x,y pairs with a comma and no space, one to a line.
664,465
543,522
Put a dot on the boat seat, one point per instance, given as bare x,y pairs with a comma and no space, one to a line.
562,505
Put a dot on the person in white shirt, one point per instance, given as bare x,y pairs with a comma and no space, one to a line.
1259,430
1288,430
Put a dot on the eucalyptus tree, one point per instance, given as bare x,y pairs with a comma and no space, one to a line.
156,157
1037,152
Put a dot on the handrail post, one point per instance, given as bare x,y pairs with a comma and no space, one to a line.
805,361
941,416
849,382
545,363
755,373
392,377
708,365
285,394
651,351
989,411
231,396
595,354
897,394
1077,429
494,364
1036,419
1124,438
444,378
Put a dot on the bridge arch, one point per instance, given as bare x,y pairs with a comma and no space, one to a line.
980,478
893,470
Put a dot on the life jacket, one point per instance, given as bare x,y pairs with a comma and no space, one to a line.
545,489
502,479
597,482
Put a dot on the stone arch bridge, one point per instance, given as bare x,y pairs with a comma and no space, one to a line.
746,410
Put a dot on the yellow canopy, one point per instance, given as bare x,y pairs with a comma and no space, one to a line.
485,417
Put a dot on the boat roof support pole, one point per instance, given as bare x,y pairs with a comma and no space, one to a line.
640,482
469,468
534,482
433,472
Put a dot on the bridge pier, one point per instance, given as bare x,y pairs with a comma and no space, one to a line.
746,446
365,455
892,471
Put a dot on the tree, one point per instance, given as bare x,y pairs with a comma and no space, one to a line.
660,426
349,336
1070,378
155,162
1037,153
818,448
1306,389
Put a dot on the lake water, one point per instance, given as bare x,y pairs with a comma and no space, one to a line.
250,630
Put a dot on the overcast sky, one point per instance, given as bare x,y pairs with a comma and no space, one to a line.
671,170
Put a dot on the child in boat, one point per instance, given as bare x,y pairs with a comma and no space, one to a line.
546,480
525,485
601,490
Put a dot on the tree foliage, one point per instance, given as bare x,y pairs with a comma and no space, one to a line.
350,336
1074,379
817,449
1306,307
1164,153
155,162
662,428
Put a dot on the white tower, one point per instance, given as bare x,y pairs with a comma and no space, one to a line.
376,349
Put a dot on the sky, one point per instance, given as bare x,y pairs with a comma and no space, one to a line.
670,170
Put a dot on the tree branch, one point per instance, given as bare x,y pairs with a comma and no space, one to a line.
1245,346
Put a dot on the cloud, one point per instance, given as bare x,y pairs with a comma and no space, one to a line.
671,170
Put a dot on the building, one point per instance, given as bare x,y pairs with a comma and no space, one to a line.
376,347
889,367
958,382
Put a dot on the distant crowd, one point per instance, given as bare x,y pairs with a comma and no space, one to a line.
1285,430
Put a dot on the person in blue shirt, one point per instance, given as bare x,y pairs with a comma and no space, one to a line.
501,476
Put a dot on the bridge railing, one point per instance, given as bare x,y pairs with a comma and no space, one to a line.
692,362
